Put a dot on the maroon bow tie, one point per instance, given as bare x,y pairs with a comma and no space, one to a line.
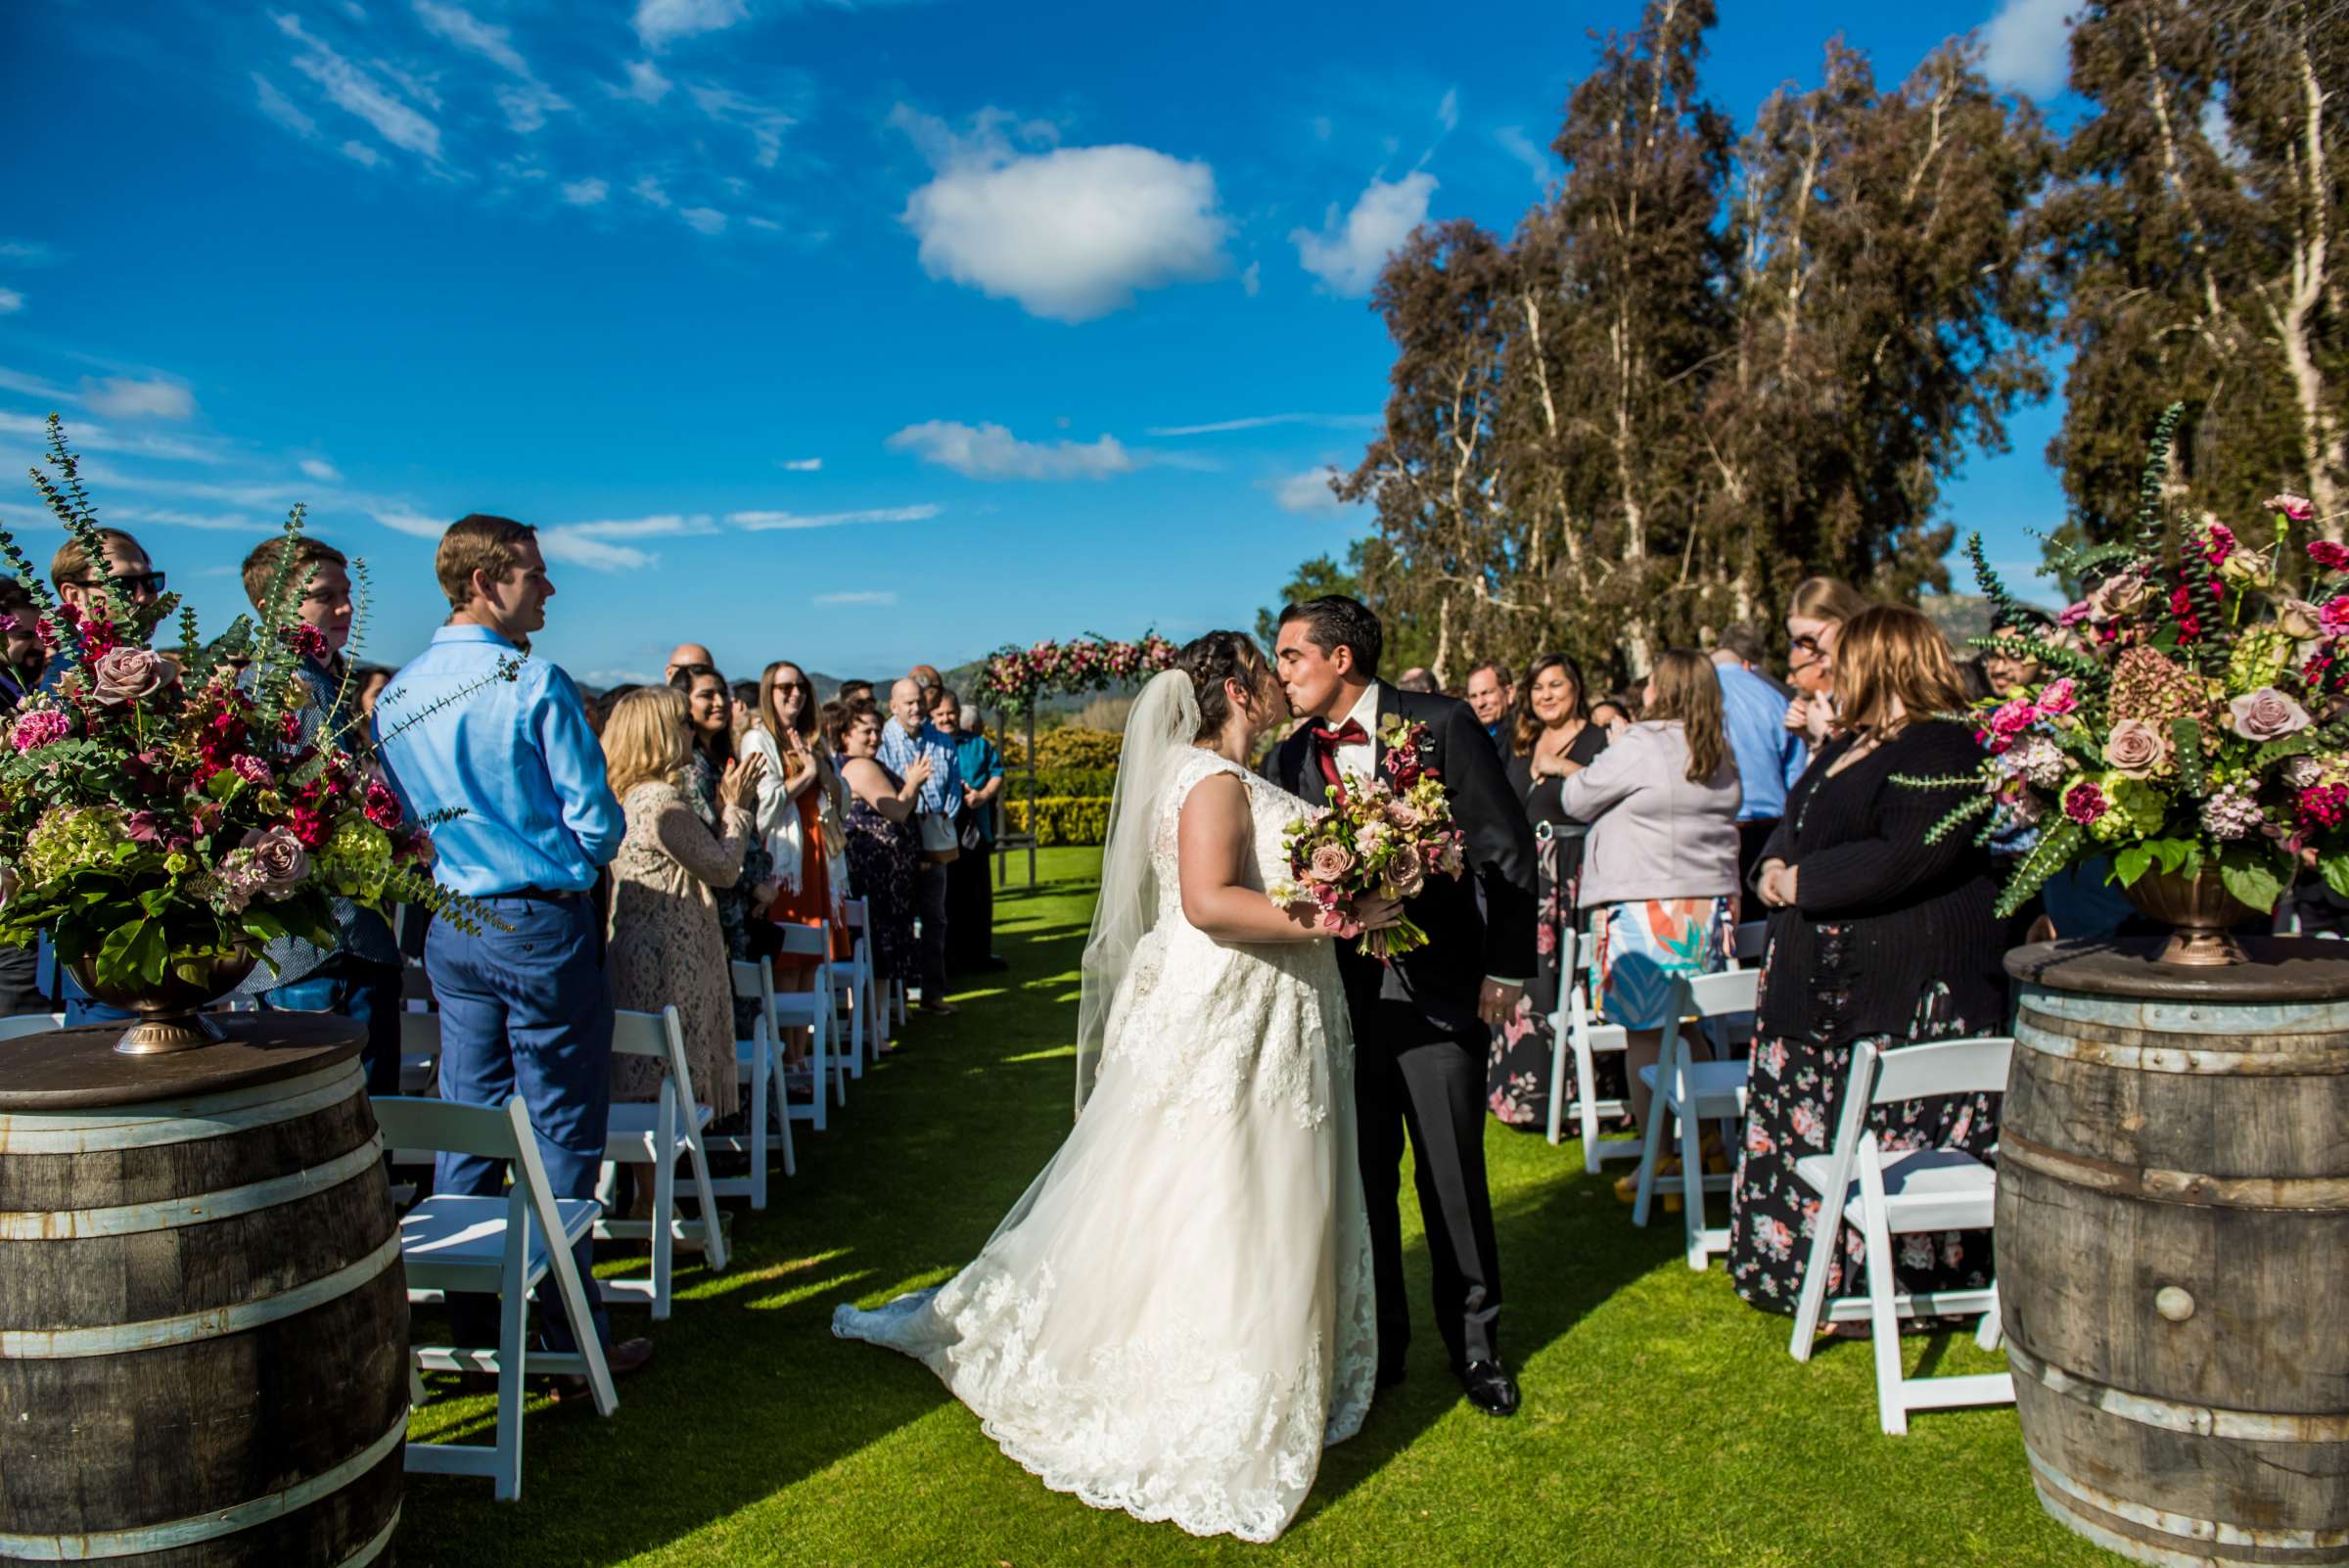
1326,742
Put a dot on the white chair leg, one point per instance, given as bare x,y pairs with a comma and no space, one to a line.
665,1202
782,1110
514,1315
1651,1137
1884,1321
820,1064
1991,1329
761,1065
1557,1086
1825,1231
1692,1165
714,1229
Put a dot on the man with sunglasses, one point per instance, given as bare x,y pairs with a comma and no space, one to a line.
77,579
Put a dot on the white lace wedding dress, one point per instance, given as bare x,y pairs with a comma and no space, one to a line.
1177,1316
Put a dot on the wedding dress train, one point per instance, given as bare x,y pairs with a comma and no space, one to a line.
1177,1314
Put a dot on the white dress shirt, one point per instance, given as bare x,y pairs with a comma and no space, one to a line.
1359,760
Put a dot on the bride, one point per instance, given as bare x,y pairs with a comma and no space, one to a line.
1176,1316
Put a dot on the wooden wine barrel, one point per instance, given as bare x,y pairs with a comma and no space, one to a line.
2173,1248
204,1321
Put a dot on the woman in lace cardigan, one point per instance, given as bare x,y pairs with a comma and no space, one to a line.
667,947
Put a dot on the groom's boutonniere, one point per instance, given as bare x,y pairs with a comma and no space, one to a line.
1407,749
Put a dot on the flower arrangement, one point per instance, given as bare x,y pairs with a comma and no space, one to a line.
1383,840
162,817
2196,715
1016,677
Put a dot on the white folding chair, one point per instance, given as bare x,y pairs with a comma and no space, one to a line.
1897,1195
502,1245
24,1024
1574,1032
1689,1093
758,1072
1752,937
657,1132
852,984
812,1010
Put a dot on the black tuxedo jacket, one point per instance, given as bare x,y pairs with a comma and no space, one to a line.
1466,944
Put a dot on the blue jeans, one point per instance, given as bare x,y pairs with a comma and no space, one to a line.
366,993
525,1011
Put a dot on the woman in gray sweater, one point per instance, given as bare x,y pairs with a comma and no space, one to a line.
1659,886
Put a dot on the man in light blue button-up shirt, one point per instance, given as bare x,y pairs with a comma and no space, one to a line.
909,734
476,725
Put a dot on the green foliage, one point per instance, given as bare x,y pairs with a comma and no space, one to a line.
2253,875
1060,820
2004,609
1086,781
2152,532
2060,843
2172,856
2334,868
2186,739
1959,814
1073,746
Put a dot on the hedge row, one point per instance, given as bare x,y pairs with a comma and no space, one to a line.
1063,819
1081,782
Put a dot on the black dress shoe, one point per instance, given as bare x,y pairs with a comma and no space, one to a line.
1491,1388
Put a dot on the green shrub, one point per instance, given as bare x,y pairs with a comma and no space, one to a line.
1062,819
1077,781
1074,745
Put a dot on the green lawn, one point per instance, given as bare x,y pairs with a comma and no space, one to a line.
1664,1424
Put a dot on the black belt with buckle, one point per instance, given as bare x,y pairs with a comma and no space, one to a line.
543,894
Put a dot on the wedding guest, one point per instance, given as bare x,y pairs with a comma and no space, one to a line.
746,709
1551,739
522,1007
80,583
685,656
1614,714
1491,692
970,880
358,976
25,659
909,735
884,849
795,798
925,676
667,947
1814,615
742,905
1876,934
1416,678
1740,645
1659,889
1769,756
855,693
2006,673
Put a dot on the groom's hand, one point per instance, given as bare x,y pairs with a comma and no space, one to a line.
1498,1001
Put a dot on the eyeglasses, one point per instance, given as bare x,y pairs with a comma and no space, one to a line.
789,685
129,582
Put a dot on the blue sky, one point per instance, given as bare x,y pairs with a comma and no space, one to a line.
856,335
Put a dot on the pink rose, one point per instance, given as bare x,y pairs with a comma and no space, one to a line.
279,861
2296,507
1402,815
2265,714
37,728
1452,859
1331,862
123,676
2299,620
2334,618
2060,697
1406,872
2118,596
2012,718
2137,749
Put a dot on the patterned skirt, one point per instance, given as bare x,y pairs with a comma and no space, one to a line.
1643,946
1794,1099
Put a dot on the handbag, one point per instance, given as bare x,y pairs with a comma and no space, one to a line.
940,845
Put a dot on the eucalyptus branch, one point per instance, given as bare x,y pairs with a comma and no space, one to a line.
507,670
2004,609
2054,850
1959,814
2049,655
2152,532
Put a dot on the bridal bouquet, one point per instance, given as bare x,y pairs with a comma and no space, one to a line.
162,817
1383,841
2197,718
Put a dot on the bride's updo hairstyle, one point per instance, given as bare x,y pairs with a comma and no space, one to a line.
1215,659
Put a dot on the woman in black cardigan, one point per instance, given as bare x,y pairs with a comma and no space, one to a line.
1876,935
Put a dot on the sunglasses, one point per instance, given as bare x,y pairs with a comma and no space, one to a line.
129,582
789,685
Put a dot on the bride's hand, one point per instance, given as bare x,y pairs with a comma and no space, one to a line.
1377,914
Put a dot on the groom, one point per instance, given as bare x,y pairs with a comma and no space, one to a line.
1422,1028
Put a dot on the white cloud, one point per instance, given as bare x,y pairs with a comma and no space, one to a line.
991,452
769,224
648,189
567,548
1448,112
362,155
33,387
1519,146
1253,279
585,192
212,522
10,302
704,219
1346,256
771,521
766,124
646,84
527,106
869,596
281,109
319,469
354,91
801,465
122,398
402,520
468,31
664,525
1071,233
2027,46
1307,493
29,253
660,22
1261,421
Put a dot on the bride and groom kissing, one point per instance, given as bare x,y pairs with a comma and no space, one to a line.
1204,1286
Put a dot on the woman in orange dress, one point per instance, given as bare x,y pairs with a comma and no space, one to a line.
787,713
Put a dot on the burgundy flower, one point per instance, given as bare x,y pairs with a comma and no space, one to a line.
2296,507
382,807
308,825
143,827
250,769
2329,555
2325,806
2084,803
